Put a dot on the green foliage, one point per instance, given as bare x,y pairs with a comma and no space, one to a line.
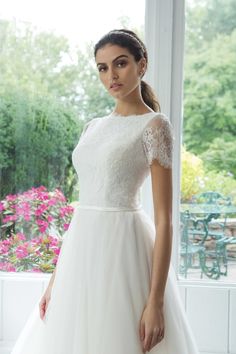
192,174
220,182
94,100
45,63
196,178
210,82
210,108
36,61
205,19
37,136
48,90
221,156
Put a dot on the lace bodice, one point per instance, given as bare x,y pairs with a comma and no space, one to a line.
114,155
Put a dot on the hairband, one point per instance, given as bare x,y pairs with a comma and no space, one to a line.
130,35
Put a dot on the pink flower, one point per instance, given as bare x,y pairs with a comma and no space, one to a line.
11,197
41,209
43,196
43,225
21,252
66,210
27,217
50,218
53,240
41,188
23,208
60,195
36,270
7,267
4,249
55,260
6,242
52,201
66,226
9,218
57,251
21,236
54,243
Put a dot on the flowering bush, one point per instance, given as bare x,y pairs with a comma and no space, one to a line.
37,255
32,227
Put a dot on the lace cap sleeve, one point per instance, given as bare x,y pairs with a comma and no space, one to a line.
158,140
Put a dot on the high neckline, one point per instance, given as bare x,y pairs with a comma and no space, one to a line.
118,115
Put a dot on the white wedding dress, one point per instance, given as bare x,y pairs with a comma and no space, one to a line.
103,271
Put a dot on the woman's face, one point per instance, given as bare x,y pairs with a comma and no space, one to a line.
118,70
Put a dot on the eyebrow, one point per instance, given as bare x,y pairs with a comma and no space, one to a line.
123,55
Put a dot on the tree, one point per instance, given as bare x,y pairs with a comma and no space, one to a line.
209,83
221,156
205,19
38,134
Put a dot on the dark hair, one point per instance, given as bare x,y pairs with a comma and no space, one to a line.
129,40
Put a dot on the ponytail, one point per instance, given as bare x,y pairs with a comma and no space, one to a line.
149,97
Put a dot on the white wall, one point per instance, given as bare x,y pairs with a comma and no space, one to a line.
19,293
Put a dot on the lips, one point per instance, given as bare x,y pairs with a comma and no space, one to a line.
115,85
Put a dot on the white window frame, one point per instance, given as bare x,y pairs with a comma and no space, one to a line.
164,38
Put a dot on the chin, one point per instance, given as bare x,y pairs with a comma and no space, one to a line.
117,95
121,94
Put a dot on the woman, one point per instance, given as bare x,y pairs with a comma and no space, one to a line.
114,290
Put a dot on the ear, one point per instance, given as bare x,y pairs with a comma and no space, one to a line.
142,65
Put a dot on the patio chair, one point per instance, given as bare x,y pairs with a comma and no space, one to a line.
217,228
190,248
217,200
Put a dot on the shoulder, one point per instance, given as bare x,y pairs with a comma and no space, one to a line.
89,123
158,139
160,125
159,120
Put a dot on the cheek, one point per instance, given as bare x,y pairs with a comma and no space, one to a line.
102,79
132,74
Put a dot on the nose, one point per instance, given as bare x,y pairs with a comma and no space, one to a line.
113,75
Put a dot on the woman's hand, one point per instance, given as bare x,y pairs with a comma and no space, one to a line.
43,305
151,328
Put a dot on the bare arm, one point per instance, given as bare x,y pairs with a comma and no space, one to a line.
162,202
158,144
43,304
51,281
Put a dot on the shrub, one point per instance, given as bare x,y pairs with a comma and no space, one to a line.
33,225
196,178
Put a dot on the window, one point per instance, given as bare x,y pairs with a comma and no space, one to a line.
49,89
208,183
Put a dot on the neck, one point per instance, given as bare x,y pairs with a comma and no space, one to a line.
132,104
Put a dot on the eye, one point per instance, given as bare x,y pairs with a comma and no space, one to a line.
101,68
121,63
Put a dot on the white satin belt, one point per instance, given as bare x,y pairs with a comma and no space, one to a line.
96,207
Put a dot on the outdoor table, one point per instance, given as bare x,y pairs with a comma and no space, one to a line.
211,210
205,213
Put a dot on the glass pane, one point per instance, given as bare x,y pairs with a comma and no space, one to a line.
208,185
49,89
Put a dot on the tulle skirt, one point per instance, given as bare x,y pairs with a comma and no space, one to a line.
101,286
